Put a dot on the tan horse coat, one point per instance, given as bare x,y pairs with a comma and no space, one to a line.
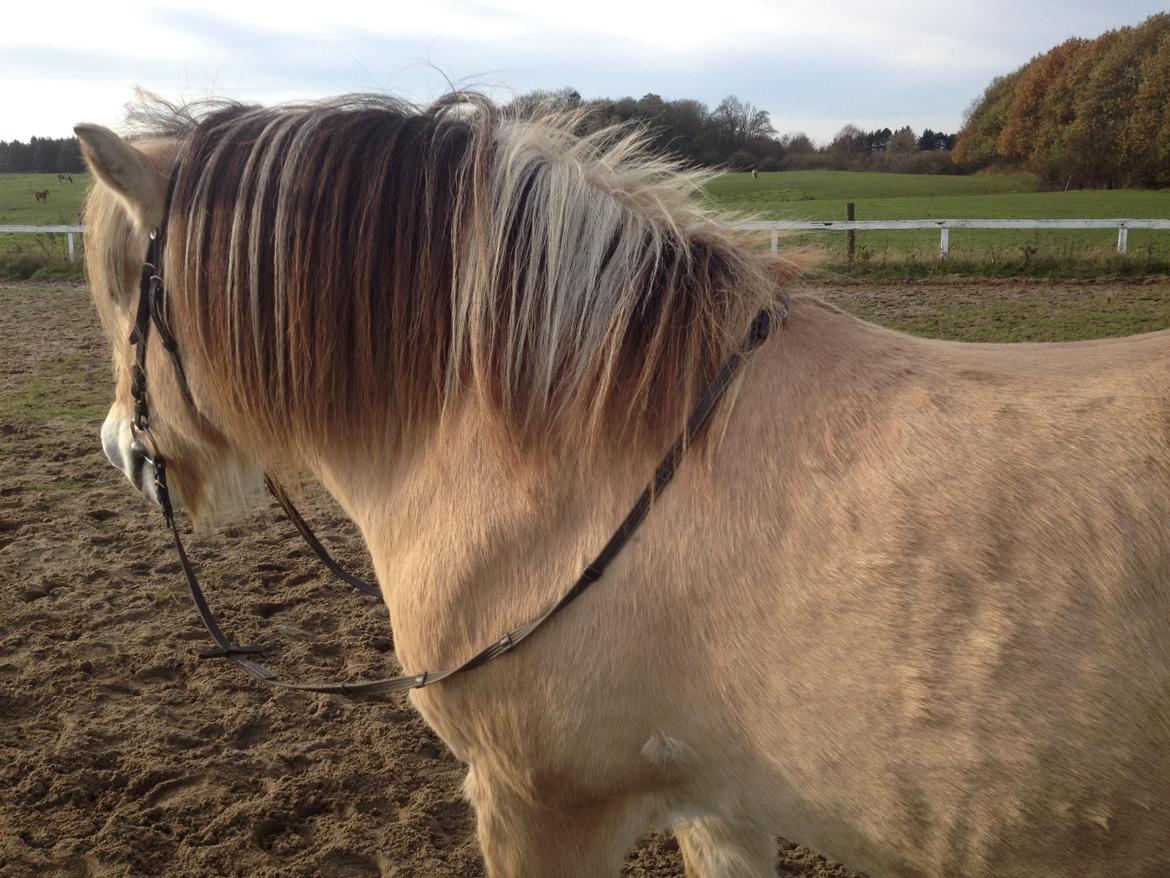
915,614
911,608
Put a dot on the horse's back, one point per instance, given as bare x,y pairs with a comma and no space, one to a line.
959,568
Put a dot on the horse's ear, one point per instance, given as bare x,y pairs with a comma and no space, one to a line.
126,171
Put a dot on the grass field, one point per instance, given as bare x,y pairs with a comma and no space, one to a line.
22,255
813,195
18,205
823,195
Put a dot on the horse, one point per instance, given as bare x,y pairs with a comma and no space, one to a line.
755,174
41,196
906,601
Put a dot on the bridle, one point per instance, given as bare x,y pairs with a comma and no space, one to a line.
152,312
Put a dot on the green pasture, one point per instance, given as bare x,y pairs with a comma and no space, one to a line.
822,195
24,253
18,204
818,195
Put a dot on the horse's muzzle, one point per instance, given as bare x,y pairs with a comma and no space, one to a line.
130,454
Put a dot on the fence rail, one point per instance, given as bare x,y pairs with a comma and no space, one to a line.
945,225
777,226
70,233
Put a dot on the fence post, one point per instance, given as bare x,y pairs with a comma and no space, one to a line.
850,236
944,243
1122,241
775,241
72,252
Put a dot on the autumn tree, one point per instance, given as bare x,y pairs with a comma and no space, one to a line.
849,141
1018,137
1146,136
902,142
978,144
1088,112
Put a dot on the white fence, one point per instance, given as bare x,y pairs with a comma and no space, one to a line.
70,232
776,227
945,225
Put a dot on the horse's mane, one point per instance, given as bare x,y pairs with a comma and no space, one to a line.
363,265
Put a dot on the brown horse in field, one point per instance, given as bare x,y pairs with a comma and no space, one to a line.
907,601
43,195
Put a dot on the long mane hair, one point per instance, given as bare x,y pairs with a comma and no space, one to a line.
363,265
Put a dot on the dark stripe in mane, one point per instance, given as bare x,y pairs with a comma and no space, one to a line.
357,267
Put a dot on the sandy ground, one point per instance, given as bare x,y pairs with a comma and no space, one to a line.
123,754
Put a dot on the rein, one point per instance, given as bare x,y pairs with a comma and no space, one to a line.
152,311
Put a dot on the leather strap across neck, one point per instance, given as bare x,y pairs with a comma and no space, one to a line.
761,328
152,311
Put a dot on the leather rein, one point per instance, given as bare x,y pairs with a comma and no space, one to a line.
152,312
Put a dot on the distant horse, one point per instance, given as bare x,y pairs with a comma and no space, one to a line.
755,174
43,195
907,601
64,178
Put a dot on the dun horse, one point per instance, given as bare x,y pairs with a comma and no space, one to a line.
907,601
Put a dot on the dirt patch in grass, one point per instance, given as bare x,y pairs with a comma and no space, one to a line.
1006,310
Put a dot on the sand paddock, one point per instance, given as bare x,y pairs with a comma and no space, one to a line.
123,754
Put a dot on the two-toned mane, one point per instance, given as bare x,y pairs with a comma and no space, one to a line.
360,264
912,608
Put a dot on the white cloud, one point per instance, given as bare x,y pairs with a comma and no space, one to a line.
815,66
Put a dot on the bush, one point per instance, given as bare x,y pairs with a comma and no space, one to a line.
742,160
26,267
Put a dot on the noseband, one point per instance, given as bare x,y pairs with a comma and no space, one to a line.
152,311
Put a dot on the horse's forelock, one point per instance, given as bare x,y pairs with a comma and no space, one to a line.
355,268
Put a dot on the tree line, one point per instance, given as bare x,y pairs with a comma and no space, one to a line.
41,155
741,136
735,134
1086,113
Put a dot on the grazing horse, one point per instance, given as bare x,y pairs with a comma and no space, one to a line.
43,195
907,601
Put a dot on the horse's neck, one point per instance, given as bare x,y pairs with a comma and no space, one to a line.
468,545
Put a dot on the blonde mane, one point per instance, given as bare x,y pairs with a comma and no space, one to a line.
360,266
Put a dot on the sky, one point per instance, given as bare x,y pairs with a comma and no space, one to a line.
814,66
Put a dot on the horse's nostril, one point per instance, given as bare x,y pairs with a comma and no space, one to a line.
137,465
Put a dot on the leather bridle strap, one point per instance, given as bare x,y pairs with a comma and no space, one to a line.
313,543
760,329
152,310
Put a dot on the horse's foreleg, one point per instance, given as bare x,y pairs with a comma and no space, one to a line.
717,848
521,838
